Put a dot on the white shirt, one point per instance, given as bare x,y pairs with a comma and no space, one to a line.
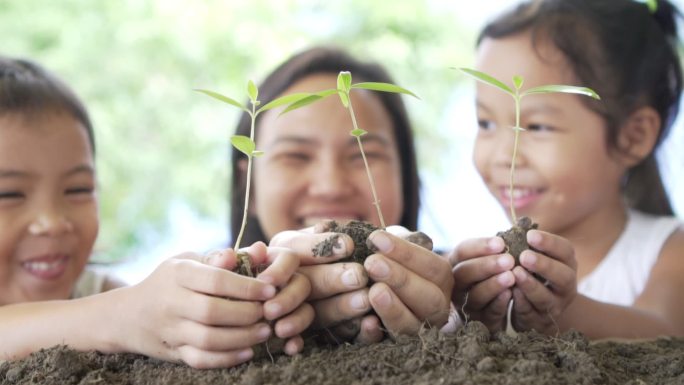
623,273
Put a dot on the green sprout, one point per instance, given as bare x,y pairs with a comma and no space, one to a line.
344,87
517,95
247,145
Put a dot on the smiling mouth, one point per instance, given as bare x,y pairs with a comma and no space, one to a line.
521,196
47,267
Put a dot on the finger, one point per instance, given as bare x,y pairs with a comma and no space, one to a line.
333,310
561,277
476,247
221,258
293,345
425,299
295,322
494,314
330,246
554,246
345,331
483,293
211,280
396,317
283,264
217,311
257,252
415,258
212,338
335,278
288,298
539,296
471,271
201,359
370,331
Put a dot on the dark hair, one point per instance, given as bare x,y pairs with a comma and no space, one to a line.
331,60
627,54
27,88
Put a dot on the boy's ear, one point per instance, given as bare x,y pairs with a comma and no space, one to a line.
639,135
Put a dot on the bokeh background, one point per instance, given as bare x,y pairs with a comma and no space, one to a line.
163,149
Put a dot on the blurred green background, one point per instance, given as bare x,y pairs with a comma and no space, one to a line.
161,145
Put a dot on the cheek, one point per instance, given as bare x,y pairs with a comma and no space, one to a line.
480,155
273,193
388,184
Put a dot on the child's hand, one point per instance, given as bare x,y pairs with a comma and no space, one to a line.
482,281
538,304
193,309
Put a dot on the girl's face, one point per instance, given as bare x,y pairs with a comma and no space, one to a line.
564,173
312,168
48,207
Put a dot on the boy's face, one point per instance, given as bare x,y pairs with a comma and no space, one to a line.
48,206
312,167
564,173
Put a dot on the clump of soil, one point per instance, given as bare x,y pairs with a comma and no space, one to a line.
515,238
469,356
358,231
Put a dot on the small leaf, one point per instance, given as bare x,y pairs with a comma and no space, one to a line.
358,132
252,91
652,6
281,101
311,98
344,98
518,81
518,128
223,98
256,153
244,144
344,80
384,87
562,89
483,77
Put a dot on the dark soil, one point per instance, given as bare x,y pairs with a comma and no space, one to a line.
358,231
516,237
469,356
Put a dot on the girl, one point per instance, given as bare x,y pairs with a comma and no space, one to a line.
586,172
191,309
312,170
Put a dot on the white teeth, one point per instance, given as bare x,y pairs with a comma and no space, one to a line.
42,267
518,193
311,221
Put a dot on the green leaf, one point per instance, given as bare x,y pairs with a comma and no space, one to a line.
223,98
344,98
244,144
257,153
562,89
358,132
652,5
252,91
518,81
281,101
487,79
344,80
384,87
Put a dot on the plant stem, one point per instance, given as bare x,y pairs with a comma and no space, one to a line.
376,202
516,135
249,181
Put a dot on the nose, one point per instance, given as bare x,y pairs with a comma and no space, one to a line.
329,179
50,221
505,146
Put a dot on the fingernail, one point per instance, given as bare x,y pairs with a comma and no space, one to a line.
504,261
246,354
379,269
381,241
504,279
528,259
520,275
350,278
340,247
383,300
358,301
494,244
264,332
533,237
272,309
268,291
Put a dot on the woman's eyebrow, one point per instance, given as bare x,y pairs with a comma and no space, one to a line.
81,168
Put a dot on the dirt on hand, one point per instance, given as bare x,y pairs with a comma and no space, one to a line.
469,356
515,238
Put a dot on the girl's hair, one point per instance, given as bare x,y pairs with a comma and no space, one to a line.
28,89
623,51
320,60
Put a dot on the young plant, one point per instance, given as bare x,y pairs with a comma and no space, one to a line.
247,145
343,90
517,95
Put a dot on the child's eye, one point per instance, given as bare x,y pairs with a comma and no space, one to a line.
485,124
80,191
11,195
539,127
294,157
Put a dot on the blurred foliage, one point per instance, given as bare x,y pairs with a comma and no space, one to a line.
135,63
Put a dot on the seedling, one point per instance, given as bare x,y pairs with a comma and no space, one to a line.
247,145
515,237
344,87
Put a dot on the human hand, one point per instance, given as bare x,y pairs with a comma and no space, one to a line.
193,309
412,285
482,281
537,303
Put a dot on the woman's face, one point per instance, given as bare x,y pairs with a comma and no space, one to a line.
48,207
312,168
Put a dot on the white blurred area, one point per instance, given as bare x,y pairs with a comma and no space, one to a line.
455,203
